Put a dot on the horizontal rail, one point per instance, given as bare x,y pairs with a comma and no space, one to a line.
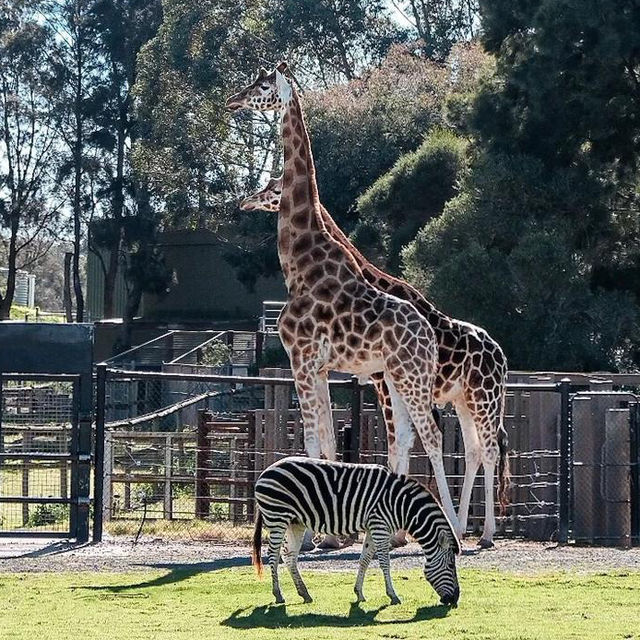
121,374
35,500
41,377
25,455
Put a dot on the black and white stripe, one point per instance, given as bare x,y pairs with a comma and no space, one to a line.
336,498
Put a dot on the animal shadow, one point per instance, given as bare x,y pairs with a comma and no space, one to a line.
277,616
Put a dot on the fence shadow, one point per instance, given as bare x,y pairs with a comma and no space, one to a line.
278,617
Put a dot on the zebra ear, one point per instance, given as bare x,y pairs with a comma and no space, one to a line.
443,539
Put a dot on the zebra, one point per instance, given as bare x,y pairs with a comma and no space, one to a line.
337,498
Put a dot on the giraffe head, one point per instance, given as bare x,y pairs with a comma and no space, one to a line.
267,199
265,93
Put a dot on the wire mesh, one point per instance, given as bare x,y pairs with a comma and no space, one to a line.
36,420
192,471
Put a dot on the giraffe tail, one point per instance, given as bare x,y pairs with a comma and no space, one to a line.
256,552
504,474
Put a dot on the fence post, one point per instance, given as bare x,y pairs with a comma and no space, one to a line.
251,464
564,488
168,452
634,456
352,435
98,473
107,489
202,462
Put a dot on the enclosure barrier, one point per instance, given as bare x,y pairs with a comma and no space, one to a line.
215,460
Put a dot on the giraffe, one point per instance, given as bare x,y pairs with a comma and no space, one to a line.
471,375
333,318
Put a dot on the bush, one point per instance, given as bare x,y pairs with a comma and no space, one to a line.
409,195
47,514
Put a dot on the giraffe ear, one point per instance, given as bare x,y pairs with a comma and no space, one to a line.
262,73
284,88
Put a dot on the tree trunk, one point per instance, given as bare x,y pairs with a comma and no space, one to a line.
68,307
7,300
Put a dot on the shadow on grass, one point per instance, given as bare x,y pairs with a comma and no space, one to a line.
177,572
277,616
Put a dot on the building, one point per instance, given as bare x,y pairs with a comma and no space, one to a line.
25,294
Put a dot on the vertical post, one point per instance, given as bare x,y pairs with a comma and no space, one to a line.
251,463
107,488
168,444
98,473
634,456
352,439
202,486
26,448
565,461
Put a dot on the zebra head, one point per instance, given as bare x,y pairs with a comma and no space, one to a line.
440,567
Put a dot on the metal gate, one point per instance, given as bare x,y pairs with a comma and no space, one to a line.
605,478
46,400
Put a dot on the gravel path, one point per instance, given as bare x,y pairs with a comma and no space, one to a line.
17,555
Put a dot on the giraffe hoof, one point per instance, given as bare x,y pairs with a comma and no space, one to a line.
398,541
280,600
486,544
330,543
307,599
395,600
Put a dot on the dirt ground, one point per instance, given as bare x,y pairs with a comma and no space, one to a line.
120,555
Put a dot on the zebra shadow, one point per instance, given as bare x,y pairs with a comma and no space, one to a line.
277,617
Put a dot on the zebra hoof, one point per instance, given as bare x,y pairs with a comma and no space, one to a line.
486,544
398,541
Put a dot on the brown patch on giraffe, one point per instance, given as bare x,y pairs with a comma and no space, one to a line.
286,131
300,166
300,194
300,306
323,312
314,275
331,268
300,220
301,245
318,254
353,340
287,180
373,332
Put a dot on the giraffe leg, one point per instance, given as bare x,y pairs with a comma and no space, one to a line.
471,465
403,442
489,463
276,538
368,551
312,388
295,536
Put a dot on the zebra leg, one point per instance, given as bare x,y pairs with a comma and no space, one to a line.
276,538
381,538
368,550
295,535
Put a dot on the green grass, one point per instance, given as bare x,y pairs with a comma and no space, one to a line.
197,604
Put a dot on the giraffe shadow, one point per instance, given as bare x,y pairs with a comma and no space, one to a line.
278,616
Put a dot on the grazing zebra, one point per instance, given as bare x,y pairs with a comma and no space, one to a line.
337,498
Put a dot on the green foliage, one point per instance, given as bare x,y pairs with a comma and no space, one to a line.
43,515
360,129
214,354
507,255
412,192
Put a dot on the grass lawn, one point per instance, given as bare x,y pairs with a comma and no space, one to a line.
232,603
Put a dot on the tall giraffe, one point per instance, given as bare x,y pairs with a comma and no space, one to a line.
471,375
333,318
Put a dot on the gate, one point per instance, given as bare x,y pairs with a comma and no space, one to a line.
46,400
605,471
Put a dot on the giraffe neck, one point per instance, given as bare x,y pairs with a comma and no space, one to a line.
381,280
300,224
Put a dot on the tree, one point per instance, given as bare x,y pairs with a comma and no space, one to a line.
360,129
405,198
335,39
503,255
440,24
122,28
28,207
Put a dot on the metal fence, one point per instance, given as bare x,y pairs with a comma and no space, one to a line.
186,449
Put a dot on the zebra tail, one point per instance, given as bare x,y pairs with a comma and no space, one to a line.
256,552
504,474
